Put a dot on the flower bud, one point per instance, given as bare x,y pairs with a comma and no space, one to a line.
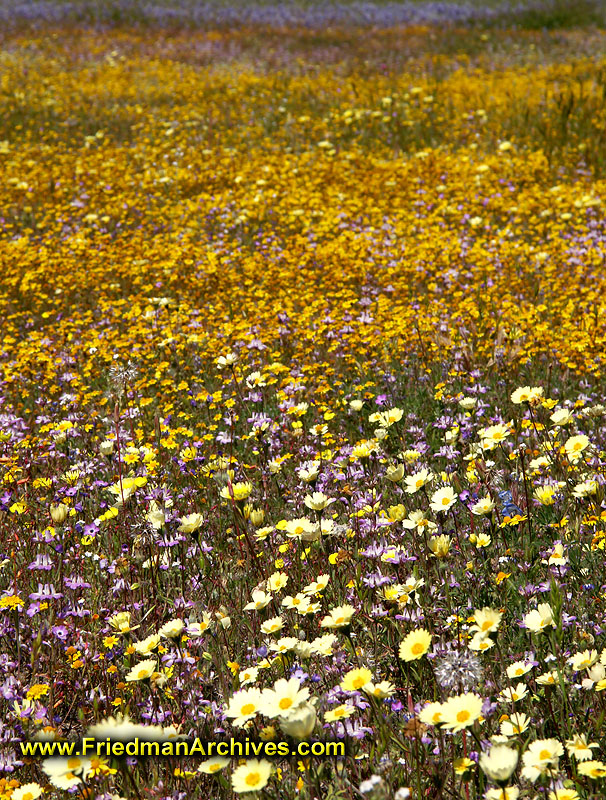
59,513
299,723
395,473
499,763
257,515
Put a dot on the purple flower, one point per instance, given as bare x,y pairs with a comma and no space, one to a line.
46,592
42,561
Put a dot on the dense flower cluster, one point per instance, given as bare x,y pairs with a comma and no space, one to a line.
302,430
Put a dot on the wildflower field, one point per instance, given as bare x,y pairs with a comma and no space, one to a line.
302,408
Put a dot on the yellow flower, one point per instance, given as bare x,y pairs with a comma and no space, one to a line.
563,794
122,491
323,645
483,506
356,679
121,622
512,695
387,418
260,599
440,545
318,585
147,645
464,766
300,722
583,660
539,619
487,620
499,763
363,450
237,491
142,671
527,395
432,714
59,513
546,494
28,791
415,645
592,769
506,793
575,445
172,629
541,758
285,696
11,601
493,435
443,499
338,617
561,417
551,678
248,675
272,625
480,642
214,764
37,691
579,748
244,705
252,776
395,473
277,581
418,480
461,711
339,713
228,360
515,725
318,501
190,523
518,669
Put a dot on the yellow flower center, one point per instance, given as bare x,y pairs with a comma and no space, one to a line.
544,755
247,708
285,702
417,648
463,716
252,779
